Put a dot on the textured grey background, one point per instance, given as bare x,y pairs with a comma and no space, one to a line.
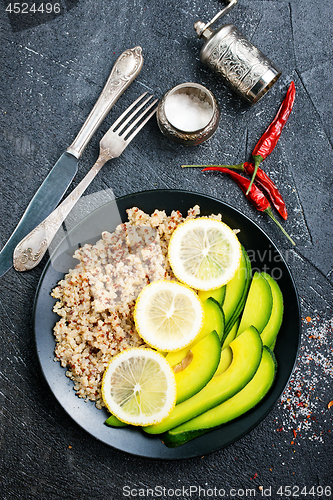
52,71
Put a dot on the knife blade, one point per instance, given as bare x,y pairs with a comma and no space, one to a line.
125,70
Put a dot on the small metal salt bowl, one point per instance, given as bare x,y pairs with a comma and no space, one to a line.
243,67
169,126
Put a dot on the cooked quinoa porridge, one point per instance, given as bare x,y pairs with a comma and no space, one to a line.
95,301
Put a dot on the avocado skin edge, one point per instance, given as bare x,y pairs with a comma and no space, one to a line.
230,321
258,306
271,330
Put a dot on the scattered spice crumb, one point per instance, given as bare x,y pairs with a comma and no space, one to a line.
303,407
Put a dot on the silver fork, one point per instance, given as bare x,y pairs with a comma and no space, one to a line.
31,249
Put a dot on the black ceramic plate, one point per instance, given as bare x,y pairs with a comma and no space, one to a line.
264,256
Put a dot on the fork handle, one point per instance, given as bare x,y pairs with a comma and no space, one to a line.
125,70
32,248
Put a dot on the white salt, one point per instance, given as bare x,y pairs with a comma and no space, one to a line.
187,112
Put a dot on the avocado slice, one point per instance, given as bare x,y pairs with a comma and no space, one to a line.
258,305
239,309
236,292
113,421
231,335
217,294
225,361
234,407
272,346
213,320
269,333
203,359
246,351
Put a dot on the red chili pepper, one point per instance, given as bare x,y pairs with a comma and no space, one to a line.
266,183
263,180
255,195
269,139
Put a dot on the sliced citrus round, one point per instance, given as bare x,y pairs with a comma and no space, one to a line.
139,387
204,253
168,315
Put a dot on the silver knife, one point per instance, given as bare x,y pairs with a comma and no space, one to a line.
125,70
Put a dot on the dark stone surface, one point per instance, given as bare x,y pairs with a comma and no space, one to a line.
51,74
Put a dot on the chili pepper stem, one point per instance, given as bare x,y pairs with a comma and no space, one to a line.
257,160
239,166
269,212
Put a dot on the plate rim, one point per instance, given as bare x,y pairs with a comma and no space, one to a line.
263,415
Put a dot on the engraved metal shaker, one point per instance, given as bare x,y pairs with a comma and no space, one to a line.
243,67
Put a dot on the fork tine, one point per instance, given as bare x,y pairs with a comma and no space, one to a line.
140,117
127,110
132,115
142,123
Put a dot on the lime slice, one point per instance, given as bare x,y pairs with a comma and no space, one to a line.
139,387
168,315
204,253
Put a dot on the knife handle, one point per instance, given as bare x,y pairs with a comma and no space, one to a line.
125,70
32,248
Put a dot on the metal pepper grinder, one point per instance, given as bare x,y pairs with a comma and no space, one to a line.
243,67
